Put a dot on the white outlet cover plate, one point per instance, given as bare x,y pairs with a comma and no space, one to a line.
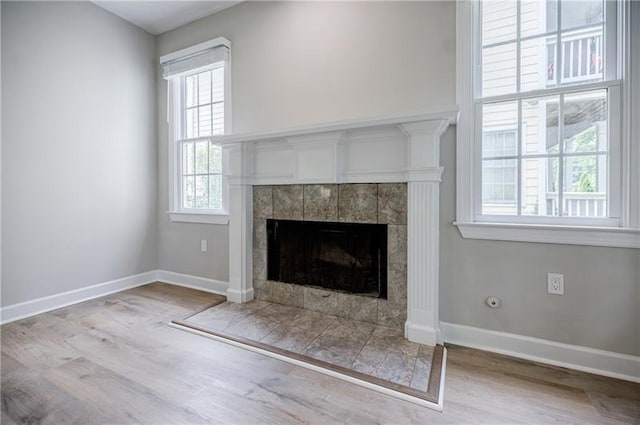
555,283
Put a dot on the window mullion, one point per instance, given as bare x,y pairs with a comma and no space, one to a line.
519,161
197,110
518,43
477,56
611,41
561,156
477,159
559,49
209,172
178,148
551,91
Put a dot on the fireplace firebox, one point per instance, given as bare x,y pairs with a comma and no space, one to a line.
349,257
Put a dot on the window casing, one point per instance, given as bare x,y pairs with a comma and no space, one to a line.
198,111
564,105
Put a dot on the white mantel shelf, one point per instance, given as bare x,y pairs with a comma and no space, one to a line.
394,148
450,114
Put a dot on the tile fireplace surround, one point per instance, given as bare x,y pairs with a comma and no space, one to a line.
383,203
368,167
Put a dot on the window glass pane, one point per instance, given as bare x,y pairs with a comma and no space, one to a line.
580,13
187,158
204,120
548,184
192,123
498,21
202,161
582,56
188,187
218,119
202,191
539,192
204,88
218,84
537,17
215,191
499,116
540,125
537,63
499,180
585,122
191,85
499,143
584,188
499,70
215,159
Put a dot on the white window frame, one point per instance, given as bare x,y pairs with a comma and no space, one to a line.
621,231
175,117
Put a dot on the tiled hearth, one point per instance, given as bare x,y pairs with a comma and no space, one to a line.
383,203
378,351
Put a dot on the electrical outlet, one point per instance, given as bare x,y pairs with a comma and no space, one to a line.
203,245
555,283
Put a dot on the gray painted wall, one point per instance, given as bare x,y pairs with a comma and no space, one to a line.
601,304
297,63
79,153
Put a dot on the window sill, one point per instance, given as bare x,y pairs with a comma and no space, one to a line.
202,218
573,235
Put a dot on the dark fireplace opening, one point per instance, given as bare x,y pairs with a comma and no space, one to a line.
349,257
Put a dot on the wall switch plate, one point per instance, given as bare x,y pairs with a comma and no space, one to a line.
555,283
203,245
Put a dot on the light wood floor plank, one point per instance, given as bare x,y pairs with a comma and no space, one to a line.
114,360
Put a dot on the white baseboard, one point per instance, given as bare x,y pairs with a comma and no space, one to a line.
195,282
30,308
52,302
592,360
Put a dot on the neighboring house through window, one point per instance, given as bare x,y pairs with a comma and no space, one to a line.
542,86
198,110
498,183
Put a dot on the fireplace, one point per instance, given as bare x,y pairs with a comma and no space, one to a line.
384,170
347,257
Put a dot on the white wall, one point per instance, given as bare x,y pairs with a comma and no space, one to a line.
297,63
79,153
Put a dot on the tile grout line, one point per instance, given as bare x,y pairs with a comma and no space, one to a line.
362,348
319,334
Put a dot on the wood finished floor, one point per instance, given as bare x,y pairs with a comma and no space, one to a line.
115,360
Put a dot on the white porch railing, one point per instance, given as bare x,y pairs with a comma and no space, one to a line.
578,204
581,55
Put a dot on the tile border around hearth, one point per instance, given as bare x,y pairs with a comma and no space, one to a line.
340,203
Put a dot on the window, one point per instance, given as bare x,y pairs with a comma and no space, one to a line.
541,85
198,81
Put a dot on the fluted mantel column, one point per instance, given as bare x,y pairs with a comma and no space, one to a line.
239,157
423,240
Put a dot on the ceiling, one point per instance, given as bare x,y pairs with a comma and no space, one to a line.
157,17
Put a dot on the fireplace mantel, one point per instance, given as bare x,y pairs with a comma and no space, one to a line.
400,148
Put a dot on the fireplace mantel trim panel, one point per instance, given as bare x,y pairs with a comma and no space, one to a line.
400,151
